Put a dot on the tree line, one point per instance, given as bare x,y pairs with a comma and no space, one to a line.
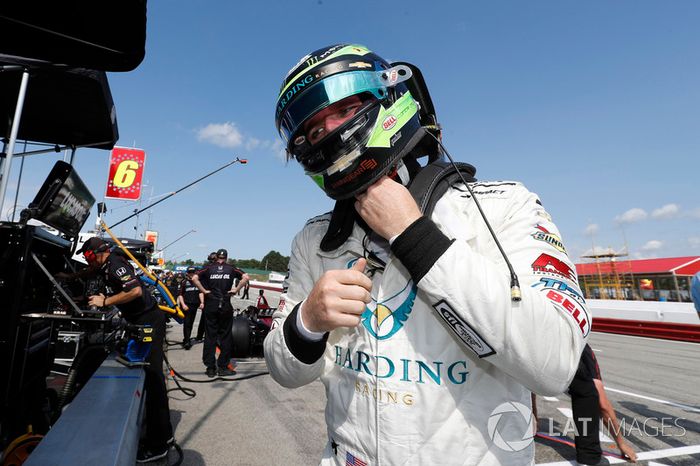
273,261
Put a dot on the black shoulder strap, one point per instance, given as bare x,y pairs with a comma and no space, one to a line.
340,226
433,180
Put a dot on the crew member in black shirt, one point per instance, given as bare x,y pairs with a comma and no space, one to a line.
216,282
211,259
590,404
137,306
190,299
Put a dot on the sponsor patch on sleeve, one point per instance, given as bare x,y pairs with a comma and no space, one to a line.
542,234
569,306
551,266
463,330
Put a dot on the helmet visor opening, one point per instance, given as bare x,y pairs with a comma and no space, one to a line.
346,138
333,89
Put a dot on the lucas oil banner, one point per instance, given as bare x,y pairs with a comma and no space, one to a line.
125,173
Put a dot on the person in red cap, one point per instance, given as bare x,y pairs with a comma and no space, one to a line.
138,307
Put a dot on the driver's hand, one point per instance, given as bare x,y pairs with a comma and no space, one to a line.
387,207
338,299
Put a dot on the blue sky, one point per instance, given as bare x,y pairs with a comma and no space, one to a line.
592,105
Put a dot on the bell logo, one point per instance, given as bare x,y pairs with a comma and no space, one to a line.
393,76
389,122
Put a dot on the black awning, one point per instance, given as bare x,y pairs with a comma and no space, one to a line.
106,35
62,106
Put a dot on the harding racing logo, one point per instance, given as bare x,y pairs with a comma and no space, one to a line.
517,426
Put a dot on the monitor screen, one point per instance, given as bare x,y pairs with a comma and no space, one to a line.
63,202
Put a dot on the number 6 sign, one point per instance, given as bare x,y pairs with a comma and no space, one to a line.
125,173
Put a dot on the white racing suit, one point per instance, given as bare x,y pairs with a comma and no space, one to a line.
440,370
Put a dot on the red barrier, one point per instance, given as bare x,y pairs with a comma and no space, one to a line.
641,328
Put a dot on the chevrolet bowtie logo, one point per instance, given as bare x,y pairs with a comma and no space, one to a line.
359,64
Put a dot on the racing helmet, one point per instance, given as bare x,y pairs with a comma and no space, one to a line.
222,253
383,127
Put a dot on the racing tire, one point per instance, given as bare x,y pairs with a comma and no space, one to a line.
240,333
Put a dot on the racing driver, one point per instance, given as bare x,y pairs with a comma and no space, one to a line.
409,315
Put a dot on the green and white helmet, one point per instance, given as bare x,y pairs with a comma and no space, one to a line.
384,126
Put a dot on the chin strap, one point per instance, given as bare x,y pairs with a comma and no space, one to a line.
344,216
427,186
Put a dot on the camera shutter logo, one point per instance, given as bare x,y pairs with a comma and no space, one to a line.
527,419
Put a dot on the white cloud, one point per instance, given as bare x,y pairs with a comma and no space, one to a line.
632,216
640,255
695,213
228,136
252,143
652,245
598,251
224,135
591,229
279,150
667,211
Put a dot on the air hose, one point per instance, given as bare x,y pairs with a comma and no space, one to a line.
175,310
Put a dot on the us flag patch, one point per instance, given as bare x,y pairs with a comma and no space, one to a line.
352,460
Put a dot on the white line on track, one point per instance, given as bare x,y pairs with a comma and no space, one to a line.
644,397
642,456
660,340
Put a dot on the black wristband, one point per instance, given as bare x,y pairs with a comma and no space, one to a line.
420,246
304,350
